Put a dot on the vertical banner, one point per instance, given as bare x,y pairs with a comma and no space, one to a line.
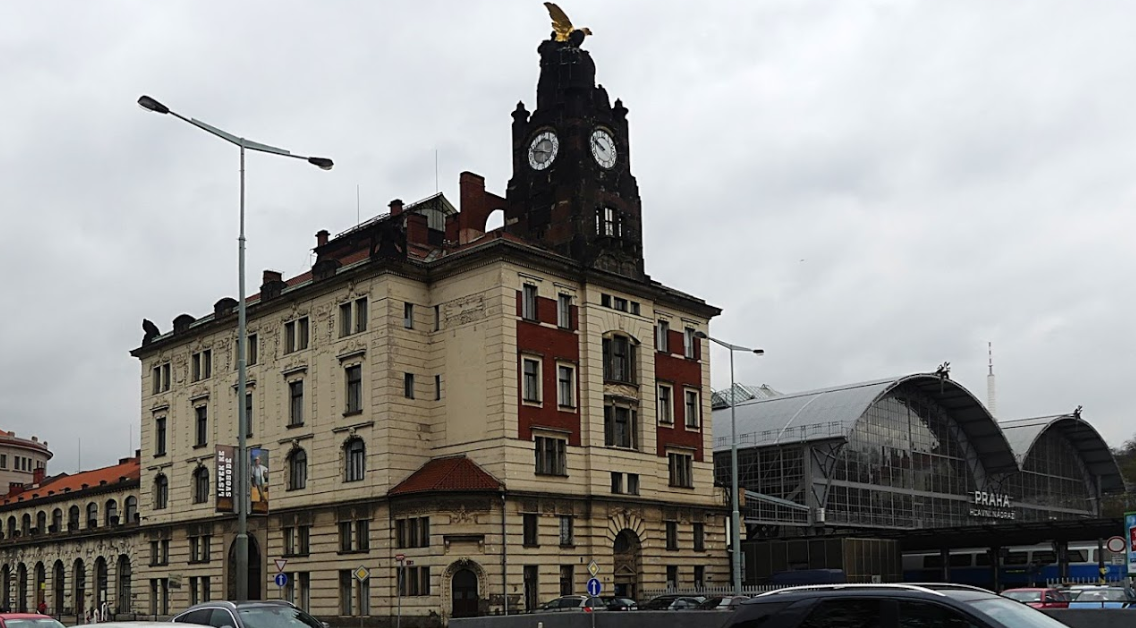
1130,534
224,475
258,480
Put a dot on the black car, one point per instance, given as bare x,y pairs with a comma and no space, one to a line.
251,614
886,606
673,602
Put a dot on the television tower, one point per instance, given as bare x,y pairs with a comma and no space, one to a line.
991,404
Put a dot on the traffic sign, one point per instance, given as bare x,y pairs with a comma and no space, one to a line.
594,587
593,568
1115,544
361,573
280,562
400,557
281,579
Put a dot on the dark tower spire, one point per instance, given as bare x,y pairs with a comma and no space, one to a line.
572,188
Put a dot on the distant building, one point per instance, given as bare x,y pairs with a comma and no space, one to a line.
22,460
740,393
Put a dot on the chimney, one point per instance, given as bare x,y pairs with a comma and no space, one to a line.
272,284
15,488
321,237
396,207
37,475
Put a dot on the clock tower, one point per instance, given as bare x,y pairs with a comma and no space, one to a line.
572,188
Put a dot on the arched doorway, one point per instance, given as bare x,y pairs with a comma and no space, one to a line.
464,590
57,584
254,570
22,588
40,579
79,582
100,581
625,552
6,582
122,590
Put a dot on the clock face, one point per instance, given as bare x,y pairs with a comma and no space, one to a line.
603,148
542,150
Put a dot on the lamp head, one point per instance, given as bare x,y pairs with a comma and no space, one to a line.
323,163
701,335
149,104
759,351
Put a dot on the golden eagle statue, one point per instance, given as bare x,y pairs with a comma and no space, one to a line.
562,28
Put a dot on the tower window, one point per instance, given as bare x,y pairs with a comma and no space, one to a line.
608,222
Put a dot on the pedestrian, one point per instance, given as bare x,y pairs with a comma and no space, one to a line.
42,608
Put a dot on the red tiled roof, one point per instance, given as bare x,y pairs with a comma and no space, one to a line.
452,474
125,471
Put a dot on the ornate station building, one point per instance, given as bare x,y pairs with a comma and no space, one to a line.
471,417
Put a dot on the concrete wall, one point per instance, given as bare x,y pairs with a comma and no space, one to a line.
1075,618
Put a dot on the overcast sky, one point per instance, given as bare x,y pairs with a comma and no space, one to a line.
866,188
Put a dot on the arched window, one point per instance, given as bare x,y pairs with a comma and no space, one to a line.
92,515
355,457
41,522
57,520
200,485
297,469
73,518
26,524
161,492
11,527
131,509
111,511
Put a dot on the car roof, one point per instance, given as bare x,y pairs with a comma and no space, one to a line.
937,590
24,616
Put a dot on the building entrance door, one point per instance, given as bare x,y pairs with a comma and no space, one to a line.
464,594
625,552
255,561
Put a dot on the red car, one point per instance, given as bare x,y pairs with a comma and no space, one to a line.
1039,598
27,620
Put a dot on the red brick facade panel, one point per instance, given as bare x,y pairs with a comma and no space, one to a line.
552,345
681,374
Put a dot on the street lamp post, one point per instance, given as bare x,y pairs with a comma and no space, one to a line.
735,516
242,481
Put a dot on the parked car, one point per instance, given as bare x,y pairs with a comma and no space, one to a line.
1102,597
1039,597
573,603
617,603
250,614
886,606
673,602
27,620
722,603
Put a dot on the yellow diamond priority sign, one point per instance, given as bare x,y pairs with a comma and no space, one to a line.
593,568
361,573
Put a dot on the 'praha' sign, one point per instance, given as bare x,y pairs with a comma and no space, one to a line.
984,505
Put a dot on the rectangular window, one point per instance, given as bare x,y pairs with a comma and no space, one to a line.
296,335
688,341
248,414
528,302
360,315
551,458
621,427
296,403
354,389
699,537
414,581
532,587
413,532
297,540
252,350
564,311
408,315
530,384
565,386
619,359
635,308
699,576
201,426
566,535
662,340
202,363
363,535
161,377
437,317
363,594
681,473
666,404
346,587
408,385
344,320
531,539
160,436
605,300
672,576
566,577
298,590
345,536
437,388
672,535
693,409
616,482
632,483
619,304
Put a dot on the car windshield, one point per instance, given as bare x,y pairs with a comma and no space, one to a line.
276,617
46,622
1015,614
1100,595
1023,596
659,602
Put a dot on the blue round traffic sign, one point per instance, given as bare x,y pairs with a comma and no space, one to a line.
281,579
594,587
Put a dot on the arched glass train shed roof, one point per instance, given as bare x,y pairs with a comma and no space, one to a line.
1095,452
832,413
